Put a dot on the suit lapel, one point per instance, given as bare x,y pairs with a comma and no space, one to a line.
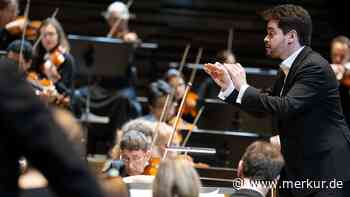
296,64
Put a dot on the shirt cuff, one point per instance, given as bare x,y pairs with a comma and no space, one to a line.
241,93
224,94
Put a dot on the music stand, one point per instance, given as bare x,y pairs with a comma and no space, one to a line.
100,56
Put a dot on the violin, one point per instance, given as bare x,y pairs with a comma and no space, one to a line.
182,124
342,73
55,58
46,89
190,108
17,26
152,167
346,76
52,63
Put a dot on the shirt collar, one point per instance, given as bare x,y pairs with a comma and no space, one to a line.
287,63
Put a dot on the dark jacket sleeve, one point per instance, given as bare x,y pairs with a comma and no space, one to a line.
6,38
306,91
67,72
33,131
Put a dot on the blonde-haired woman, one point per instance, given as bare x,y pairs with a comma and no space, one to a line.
176,177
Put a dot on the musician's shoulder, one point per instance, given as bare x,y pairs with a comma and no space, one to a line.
8,66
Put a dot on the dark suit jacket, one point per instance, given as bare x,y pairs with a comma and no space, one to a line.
246,193
315,140
28,129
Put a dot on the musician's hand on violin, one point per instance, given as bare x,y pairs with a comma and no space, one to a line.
219,74
275,140
52,73
61,100
339,70
130,37
16,26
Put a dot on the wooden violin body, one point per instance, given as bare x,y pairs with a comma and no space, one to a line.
46,89
32,29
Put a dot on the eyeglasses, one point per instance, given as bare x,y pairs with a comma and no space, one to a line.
126,159
49,34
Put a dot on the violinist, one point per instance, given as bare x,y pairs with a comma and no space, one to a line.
176,81
118,12
340,56
134,152
157,94
43,87
8,13
13,52
52,58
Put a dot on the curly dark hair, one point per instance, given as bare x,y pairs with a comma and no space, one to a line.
292,17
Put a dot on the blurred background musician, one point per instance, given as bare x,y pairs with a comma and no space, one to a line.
8,14
340,57
14,50
52,58
117,14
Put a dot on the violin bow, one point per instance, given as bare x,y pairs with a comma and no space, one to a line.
26,14
54,14
196,119
116,24
179,112
168,99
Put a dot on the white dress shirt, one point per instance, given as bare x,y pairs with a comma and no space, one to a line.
285,66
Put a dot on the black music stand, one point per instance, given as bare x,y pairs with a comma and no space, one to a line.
99,57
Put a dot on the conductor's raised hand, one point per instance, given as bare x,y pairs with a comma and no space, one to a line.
237,74
219,74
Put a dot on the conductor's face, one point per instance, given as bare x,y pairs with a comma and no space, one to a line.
275,41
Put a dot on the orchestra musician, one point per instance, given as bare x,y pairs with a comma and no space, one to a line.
260,161
134,152
176,177
8,14
177,82
14,50
28,129
158,92
52,58
340,56
117,14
